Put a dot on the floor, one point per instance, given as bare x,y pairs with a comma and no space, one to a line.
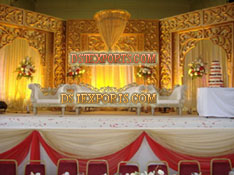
110,120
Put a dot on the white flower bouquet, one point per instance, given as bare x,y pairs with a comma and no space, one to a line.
196,69
75,71
25,69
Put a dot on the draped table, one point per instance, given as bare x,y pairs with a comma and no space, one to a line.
215,102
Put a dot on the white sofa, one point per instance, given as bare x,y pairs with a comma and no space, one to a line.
51,97
47,97
130,89
175,99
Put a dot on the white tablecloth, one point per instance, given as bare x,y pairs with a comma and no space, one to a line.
217,102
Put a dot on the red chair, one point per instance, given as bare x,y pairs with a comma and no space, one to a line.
97,167
127,167
158,165
220,166
8,167
35,166
67,165
187,167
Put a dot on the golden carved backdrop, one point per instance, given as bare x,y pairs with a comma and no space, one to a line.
16,92
173,37
139,35
16,22
207,51
108,75
44,34
180,33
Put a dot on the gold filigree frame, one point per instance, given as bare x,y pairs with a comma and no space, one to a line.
34,27
83,35
180,33
220,35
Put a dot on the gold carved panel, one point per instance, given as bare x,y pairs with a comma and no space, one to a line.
11,15
218,14
127,42
219,35
193,24
139,35
39,22
35,38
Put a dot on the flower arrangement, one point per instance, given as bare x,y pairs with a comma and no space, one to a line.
145,71
26,69
159,172
75,71
195,173
196,69
31,173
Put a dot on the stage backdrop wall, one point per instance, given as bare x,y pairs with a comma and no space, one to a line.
207,52
139,35
16,92
179,34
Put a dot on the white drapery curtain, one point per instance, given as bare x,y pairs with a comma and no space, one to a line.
113,76
87,144
111,25
207,52
16,92
92,143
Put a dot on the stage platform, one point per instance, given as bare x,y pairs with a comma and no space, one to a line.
110,120
69,128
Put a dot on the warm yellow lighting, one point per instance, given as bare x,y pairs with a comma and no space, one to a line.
112,75
13,90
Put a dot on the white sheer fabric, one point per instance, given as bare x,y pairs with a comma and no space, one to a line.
114,76
207,52
16,92
90,144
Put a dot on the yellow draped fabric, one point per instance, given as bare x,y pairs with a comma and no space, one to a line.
113,76
111,24
16,92
207,52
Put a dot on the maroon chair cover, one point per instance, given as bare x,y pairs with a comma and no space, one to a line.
96,168
67,166
123,169
155,167
35,168
220,167
186,168
8,168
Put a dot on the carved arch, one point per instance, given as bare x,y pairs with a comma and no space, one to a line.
36,39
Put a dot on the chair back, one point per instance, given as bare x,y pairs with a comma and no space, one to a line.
187,167
97,167
127,167
155,166
8,167
177,93
220,166
67,165
36,167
